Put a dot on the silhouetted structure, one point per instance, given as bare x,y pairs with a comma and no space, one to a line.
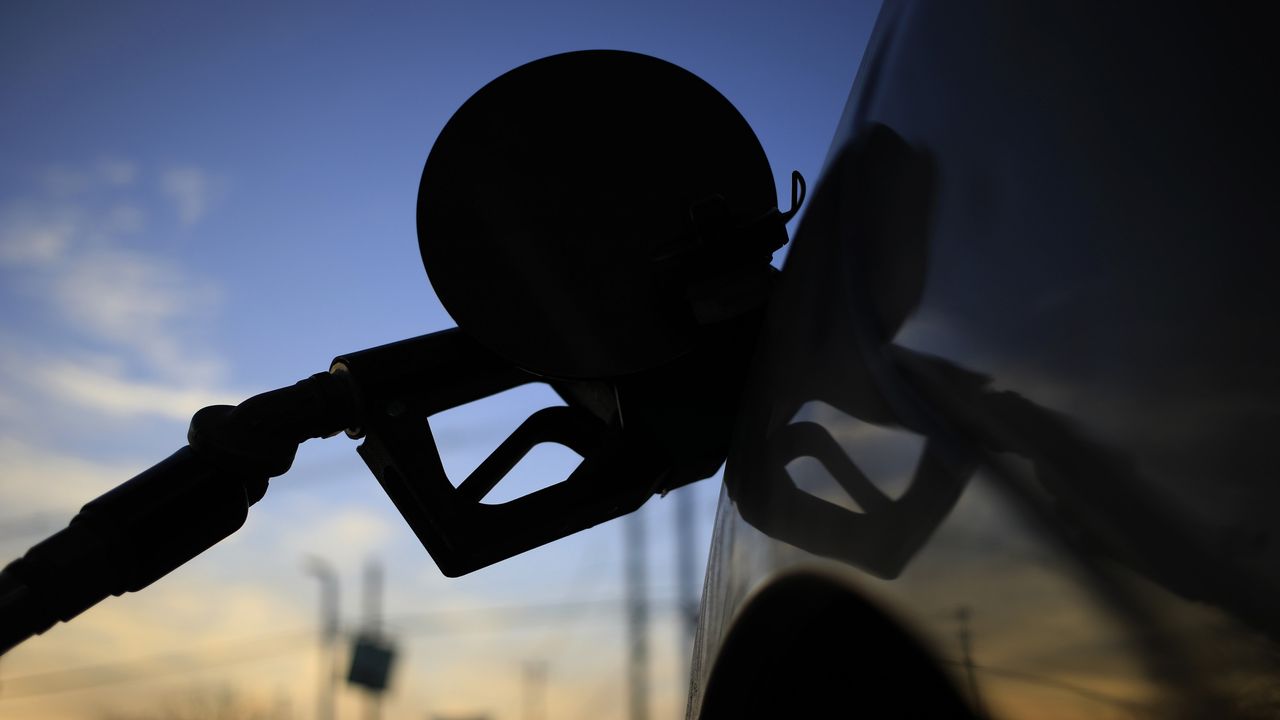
636,558
327,685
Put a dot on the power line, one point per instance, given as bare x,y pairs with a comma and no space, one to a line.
58,681
585,578
451,621
687,579
636,558
252,649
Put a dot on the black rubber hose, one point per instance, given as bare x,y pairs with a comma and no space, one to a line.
123,541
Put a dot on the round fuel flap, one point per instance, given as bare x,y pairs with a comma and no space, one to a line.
553,195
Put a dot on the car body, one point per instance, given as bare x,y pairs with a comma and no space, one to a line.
1007,449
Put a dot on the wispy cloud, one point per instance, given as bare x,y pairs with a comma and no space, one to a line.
72,254
35,236
63,181
191,191
116,396
121,220
346,537
115,171
139,305
37,480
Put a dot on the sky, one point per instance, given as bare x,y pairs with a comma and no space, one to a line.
200,202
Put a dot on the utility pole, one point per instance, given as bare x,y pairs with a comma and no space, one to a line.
324,572
373,626
637,616
966,649
535,690
686,575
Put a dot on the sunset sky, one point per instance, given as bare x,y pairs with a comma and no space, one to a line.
200,202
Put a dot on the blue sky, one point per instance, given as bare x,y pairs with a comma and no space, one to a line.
199,202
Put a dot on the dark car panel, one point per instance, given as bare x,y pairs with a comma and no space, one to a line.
1020,384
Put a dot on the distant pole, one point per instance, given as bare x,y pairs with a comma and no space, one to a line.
637,617
324,572
535,690
966,648
686,575
373,625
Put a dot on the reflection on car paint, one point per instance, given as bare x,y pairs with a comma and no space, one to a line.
1020,384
